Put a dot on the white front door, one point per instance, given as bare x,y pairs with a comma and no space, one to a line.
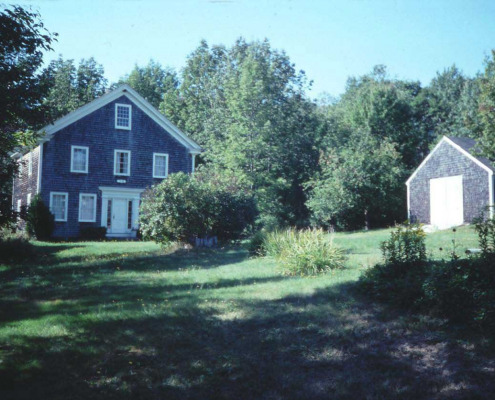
446,202
119,216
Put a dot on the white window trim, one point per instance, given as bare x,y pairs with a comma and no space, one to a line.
115,162
166,164
94,207
117,105
66,204
72,148
30,164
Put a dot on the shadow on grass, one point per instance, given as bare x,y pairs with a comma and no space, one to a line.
330,344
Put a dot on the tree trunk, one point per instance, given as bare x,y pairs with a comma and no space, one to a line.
366,220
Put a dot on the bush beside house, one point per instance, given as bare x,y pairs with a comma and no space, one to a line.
182,208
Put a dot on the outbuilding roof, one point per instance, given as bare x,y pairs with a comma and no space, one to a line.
469,145
466,146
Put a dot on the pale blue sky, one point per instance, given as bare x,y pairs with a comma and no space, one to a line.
330,40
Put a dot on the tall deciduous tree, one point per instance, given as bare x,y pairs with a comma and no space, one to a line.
69,87
358,184
246,106
152,81
486,138
23,38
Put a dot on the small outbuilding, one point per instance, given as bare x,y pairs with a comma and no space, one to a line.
452,186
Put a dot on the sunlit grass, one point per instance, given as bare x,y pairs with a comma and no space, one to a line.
133,320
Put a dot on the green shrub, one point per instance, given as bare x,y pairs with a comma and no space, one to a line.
485,228
399,284
462,291
406,245
93,233
305,252
183,207
15,248
40,222
256,245
399,279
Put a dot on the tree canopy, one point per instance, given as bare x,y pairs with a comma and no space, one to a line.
23,38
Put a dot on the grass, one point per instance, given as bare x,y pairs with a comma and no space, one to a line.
129,320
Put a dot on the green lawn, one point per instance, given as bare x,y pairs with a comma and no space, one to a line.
128,320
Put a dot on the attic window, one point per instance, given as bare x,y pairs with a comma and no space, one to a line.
123,116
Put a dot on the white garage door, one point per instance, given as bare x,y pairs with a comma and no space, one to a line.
446,202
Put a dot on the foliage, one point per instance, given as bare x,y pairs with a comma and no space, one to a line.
462,290
360,185
15,248
69,87
486,141
153,82
405,246
40,222
23,39
399,279
304,252
97,233
256,244
183,207
246,106
451,104
485,228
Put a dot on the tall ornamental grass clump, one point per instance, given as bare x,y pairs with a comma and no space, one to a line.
304,252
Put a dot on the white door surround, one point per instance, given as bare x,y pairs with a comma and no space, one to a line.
120,210
446,202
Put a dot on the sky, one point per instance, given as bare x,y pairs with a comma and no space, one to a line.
330,40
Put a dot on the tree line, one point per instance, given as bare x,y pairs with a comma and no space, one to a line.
332,162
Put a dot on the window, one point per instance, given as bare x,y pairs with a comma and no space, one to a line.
19,205
160,165
28,199
30,164
87,207
79,159
58,205
122,163
20,167
123,116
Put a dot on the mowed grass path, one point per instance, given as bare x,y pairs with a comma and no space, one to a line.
127,320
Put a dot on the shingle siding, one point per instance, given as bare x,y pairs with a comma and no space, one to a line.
449,161
97,131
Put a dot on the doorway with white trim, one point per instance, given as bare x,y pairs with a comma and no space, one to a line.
120,211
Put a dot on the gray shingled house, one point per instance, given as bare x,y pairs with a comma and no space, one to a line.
452,186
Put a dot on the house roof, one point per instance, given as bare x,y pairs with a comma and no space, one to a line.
131,94
466,146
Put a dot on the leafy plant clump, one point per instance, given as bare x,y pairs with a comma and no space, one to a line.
39,220
304,252
461,290
183,207
399,279
405,246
